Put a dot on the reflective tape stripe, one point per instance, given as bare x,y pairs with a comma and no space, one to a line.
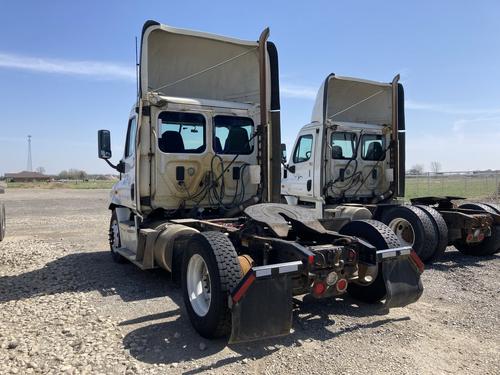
289,268
395,252
281,268
264,272
243,288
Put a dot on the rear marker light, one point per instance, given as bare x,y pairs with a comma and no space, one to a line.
310,259
341,285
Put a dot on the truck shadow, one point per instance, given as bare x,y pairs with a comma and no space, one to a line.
168,337
453,258
175,341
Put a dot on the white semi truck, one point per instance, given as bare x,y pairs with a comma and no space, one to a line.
199,194
349,162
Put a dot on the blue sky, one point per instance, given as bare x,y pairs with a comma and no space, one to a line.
65,70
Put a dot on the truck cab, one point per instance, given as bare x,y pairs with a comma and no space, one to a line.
348,152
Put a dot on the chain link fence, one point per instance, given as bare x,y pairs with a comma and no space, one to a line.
484,185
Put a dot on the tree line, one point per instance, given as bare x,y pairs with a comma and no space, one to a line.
435,167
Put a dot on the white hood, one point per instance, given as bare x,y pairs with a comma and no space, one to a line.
345,99
190,64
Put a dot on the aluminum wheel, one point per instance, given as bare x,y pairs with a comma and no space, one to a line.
115,235
198,285
404,231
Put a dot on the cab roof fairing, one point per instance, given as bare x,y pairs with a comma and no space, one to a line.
345,99
190,64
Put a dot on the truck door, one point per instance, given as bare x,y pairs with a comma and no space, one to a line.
301,180
127,189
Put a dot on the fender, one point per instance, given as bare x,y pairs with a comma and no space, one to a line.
164,244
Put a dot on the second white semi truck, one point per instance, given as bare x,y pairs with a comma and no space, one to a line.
349,162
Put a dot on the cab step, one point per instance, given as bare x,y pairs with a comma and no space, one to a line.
131,256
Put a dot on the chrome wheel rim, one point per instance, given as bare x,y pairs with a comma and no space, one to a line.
198,285
403,230
115,235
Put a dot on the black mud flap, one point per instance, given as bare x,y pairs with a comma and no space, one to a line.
262,303
402,279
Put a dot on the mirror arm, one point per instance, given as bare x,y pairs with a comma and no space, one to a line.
288,168
120,167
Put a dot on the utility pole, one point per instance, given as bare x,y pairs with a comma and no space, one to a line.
30,163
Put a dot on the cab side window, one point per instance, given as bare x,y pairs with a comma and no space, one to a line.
131,134
303,149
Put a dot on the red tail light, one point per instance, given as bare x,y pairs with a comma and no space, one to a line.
319,288
341,285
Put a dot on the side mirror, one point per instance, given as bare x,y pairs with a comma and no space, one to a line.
283,153
291,169
104,144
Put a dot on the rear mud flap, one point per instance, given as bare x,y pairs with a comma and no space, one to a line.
402,280
262,303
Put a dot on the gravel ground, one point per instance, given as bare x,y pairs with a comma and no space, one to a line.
65,307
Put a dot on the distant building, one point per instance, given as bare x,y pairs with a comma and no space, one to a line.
26,176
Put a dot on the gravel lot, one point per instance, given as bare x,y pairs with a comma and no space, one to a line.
65,307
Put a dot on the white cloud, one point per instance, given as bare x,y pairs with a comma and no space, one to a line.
447,109
96,69
298,91
466,144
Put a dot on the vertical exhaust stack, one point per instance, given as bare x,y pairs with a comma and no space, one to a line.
275,132
263,126
395,139
270,119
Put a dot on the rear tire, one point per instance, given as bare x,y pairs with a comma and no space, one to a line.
114,238
380,236
210,270
413,228
441,229
488,246
2,222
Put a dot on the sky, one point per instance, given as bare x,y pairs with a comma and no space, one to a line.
67,70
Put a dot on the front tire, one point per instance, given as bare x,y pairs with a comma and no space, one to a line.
210,270
114,238
380,236
2,222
